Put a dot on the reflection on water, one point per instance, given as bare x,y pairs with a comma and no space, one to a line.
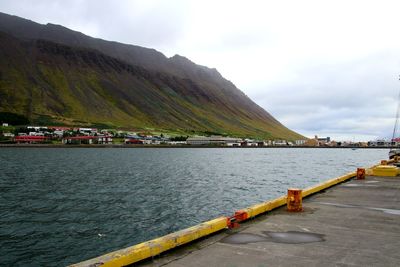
60,206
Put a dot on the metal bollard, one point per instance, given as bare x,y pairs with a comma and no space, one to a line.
294,200
384,162
360,173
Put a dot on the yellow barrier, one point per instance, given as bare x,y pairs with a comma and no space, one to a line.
156,246
260,208
385,170
319,187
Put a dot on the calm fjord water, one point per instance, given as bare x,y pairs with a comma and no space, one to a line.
61,206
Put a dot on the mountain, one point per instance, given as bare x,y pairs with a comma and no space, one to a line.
52,74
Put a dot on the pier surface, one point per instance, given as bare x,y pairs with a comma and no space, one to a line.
356,223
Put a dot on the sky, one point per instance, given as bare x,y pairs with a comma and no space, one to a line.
326,68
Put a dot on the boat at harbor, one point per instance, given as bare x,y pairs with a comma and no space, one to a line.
395,151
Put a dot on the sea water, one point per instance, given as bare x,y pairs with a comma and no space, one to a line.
61,206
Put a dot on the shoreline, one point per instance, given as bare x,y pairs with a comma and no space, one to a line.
171,146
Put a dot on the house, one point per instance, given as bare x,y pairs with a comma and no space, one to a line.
88,131
322,141
8,135
155,142
133,136
213,140
87,139
395,142
249,142
59,128
78,140
58,133
133,141
104,139
300,142
267,143
36,128
279,143
311,142
380,143
175,143
233,144
36,134
30,139
147,141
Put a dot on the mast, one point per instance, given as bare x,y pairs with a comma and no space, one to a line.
397,118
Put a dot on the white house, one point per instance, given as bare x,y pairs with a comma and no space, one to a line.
300,142
280,143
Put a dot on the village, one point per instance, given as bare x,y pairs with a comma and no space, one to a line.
93,136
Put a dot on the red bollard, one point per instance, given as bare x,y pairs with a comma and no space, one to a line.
294,200
360,173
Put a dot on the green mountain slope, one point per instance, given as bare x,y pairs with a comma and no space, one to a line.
48,70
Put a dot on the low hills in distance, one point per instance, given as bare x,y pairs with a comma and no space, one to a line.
56,76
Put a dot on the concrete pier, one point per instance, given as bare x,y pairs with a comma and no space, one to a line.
356,223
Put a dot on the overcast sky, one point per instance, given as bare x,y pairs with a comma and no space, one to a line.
320,67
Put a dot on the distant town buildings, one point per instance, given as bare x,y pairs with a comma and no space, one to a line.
322,141
300,142
280,143
383,143
214,140
92,136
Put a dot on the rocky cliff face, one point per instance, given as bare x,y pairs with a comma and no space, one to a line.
48,71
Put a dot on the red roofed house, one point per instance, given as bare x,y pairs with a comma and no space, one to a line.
30,139
78,140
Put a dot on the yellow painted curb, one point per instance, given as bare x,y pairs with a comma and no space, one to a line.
265,206
156,246
319,187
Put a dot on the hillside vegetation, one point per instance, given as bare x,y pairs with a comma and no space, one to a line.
51,74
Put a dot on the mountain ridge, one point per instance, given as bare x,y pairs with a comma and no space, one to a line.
55,74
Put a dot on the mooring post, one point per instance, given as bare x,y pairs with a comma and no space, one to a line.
294,200
360,174
384,162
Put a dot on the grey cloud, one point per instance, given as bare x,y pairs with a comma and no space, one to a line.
145,23
348,98
349,92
